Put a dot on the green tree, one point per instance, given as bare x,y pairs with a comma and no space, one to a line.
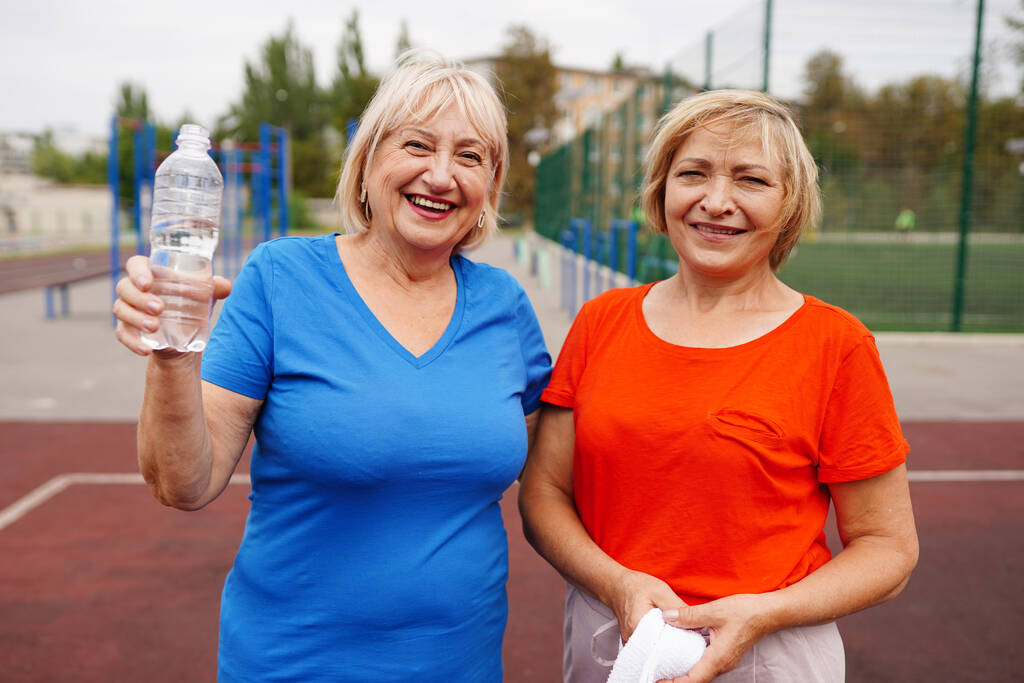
281,89
403,43
1016,23
91,169
998,201
50,162
931,119
825,84
132,106
529,83
832,101
353,85
832,120
132,102
916,146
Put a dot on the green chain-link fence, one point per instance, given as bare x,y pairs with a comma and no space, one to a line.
892,148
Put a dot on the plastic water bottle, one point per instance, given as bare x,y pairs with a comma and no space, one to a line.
187,192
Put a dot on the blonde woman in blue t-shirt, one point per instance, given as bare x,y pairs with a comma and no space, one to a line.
391,385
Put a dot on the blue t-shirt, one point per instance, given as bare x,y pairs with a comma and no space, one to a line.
374,549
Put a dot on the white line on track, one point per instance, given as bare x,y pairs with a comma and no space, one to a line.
45,492
965,475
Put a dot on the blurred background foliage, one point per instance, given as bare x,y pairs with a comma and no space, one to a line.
902,142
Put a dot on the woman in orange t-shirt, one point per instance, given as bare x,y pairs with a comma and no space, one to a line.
696,429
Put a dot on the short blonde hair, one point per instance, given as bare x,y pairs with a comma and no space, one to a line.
422,85
749,112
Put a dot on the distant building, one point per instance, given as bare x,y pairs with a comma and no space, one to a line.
599,140
37,210
583,96
74,142
16,152
17,147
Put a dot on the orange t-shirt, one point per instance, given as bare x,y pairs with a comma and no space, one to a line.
707,467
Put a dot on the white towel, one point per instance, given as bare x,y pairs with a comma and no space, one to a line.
656,651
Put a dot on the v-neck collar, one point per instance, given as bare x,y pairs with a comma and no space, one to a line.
348,289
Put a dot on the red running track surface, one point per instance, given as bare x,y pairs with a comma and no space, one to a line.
101,583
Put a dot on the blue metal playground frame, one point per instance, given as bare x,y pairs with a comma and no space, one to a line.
262,167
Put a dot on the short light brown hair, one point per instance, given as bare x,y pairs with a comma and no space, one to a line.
749,113
423,85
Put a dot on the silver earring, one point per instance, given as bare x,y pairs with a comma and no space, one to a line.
362,193
480,221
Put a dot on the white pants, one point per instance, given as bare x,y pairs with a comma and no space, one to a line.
804,654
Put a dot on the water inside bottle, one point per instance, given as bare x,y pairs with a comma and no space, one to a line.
196,235
184,280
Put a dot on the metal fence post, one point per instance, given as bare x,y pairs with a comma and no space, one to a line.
586,228
613,250
239,157
633,229
138,144
282,182
264,179
113,173
968,178
569,271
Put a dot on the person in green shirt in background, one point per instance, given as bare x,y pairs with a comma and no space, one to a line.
905,223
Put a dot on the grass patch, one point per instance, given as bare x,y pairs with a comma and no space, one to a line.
893,285
907,286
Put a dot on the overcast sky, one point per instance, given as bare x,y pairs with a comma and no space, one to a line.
61,61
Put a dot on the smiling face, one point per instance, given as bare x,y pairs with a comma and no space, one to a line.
723,200
428,181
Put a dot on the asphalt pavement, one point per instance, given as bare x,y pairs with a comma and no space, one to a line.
72,369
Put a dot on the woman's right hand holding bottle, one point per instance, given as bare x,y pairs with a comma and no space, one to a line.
138,310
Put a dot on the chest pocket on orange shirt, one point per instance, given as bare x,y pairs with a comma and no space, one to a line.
744,425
